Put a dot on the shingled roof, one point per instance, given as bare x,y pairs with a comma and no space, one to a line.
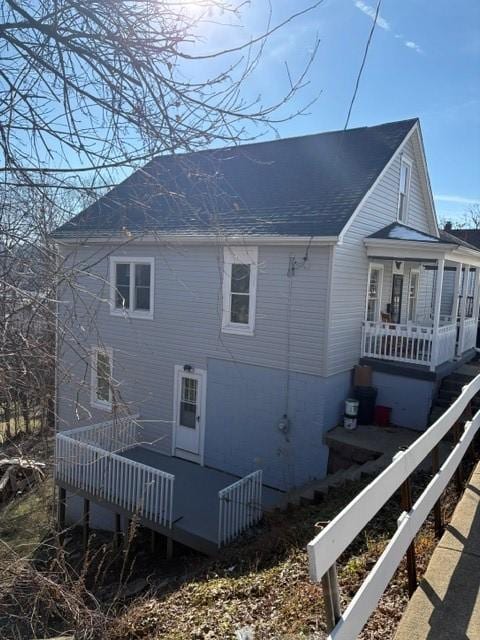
304,186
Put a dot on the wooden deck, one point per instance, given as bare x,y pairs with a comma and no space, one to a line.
195,518
195,507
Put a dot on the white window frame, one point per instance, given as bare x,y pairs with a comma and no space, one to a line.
94,400
413,272
408,163
371,267
246,256
132,261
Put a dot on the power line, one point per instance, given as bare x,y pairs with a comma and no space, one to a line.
357,83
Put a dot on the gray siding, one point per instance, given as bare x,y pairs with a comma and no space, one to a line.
289,329
350,266
244,407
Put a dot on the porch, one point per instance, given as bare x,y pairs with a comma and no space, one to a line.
195,505
422,299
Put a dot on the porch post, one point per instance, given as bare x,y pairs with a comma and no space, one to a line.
436,311
463,309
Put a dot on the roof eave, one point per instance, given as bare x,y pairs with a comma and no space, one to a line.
183,239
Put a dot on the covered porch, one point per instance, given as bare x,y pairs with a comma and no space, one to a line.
422,298
197,506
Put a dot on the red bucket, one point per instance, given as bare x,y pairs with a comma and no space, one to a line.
382,415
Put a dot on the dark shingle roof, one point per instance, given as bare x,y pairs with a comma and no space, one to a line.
398,231
305,186
466,237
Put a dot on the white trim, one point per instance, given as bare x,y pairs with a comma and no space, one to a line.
245,256
159,238
201,375
371,267
376,182
404,160
132,261
94,400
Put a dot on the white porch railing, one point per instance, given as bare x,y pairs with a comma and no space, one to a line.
469,334
332,541
240,507
446,343
408,342
134,487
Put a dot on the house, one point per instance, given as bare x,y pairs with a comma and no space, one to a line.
223,298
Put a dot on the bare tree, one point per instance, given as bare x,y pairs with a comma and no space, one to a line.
97,85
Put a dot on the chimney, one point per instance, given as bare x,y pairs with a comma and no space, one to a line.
448,226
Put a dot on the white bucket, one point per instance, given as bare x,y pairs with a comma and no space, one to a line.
351,407
349,423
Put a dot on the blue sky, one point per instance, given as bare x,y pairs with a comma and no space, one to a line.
424,61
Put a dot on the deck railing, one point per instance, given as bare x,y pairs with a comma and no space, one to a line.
114,435
408,342
240,507
134,487
332,541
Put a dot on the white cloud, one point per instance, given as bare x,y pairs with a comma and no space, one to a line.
456,199
370,12
413,45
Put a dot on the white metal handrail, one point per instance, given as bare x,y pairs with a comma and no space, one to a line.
117,434
130,485
330,543
240,506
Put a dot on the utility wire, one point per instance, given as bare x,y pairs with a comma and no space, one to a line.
357,83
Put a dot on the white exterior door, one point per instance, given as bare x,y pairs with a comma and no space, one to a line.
189,413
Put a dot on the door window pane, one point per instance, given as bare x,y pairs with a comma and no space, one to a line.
122,286
142,287
188,403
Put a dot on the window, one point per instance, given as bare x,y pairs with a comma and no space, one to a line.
239,289
188,402
413,295
102,378
374,293
405,171
470,293
131,282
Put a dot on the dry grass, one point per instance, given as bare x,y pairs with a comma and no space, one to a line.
260,583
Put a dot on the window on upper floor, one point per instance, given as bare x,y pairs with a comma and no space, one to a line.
404,190
374,293
239,289
131,284
101,387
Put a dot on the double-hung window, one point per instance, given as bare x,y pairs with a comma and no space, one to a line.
413,295
131,283
404,189
374,293
239,289
101,387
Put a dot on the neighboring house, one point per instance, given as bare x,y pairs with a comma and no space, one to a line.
226,295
